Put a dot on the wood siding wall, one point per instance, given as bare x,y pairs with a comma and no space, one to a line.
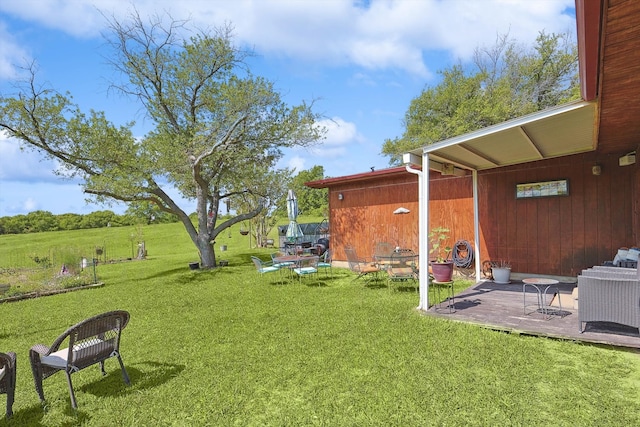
551,235
365,215
559,235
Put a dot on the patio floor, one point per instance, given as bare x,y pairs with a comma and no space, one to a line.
500,307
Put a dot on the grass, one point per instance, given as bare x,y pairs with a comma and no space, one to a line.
228,347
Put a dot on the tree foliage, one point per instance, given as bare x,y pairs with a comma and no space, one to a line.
311,201
505,81
145,212
213,122
273,187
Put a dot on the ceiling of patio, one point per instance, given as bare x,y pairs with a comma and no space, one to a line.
554,132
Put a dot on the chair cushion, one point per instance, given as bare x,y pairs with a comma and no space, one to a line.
401,271
283,264
305,270
59,358
2,371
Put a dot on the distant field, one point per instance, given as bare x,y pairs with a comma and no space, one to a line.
33,262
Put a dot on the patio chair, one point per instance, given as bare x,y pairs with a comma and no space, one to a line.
263,267
91,341
382,252
8,379
363,268
307,266
276,264
325,262
402,267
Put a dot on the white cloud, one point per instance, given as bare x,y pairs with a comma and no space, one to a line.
24,165
11,54
340,132
339,137
29,205
385,34
296,163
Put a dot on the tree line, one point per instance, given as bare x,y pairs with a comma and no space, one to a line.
311,201
39,221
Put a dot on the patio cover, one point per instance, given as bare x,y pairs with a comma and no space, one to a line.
554,132
560,131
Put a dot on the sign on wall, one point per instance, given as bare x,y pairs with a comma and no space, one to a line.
542,189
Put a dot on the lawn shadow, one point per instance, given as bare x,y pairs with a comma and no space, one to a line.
164,273
31,416
154,374
406,287
374,283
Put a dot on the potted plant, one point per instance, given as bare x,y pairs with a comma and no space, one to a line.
501,271
441,266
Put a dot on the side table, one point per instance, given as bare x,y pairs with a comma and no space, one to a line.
538,283
451,299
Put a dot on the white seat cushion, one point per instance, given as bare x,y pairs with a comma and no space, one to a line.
2,371
59,358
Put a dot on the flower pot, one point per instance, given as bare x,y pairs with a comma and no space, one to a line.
194,265
223,248
442,271
223,263
501,275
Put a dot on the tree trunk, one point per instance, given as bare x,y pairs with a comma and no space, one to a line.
207,252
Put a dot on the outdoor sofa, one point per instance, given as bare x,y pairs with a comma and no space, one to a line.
608,299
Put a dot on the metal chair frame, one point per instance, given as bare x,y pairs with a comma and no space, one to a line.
363,268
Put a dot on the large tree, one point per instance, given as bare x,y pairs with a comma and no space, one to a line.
213,122
505,81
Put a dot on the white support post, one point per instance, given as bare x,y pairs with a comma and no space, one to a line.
476,225
423,230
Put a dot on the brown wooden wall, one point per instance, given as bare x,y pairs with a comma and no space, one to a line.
559,235
551,235
365,215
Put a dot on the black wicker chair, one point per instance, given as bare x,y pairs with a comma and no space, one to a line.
8,378
91,341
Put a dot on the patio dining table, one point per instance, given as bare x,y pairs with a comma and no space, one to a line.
400,257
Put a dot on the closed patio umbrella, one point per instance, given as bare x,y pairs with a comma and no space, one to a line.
293,231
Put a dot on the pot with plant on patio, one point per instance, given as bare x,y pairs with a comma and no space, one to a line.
441,266
501,272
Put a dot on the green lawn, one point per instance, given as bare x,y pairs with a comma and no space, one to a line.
228,347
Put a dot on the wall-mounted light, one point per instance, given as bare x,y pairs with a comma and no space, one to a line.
340,196
627,159
596,170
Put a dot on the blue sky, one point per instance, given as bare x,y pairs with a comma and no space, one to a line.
362,60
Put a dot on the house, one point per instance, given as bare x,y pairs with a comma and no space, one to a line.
553,192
